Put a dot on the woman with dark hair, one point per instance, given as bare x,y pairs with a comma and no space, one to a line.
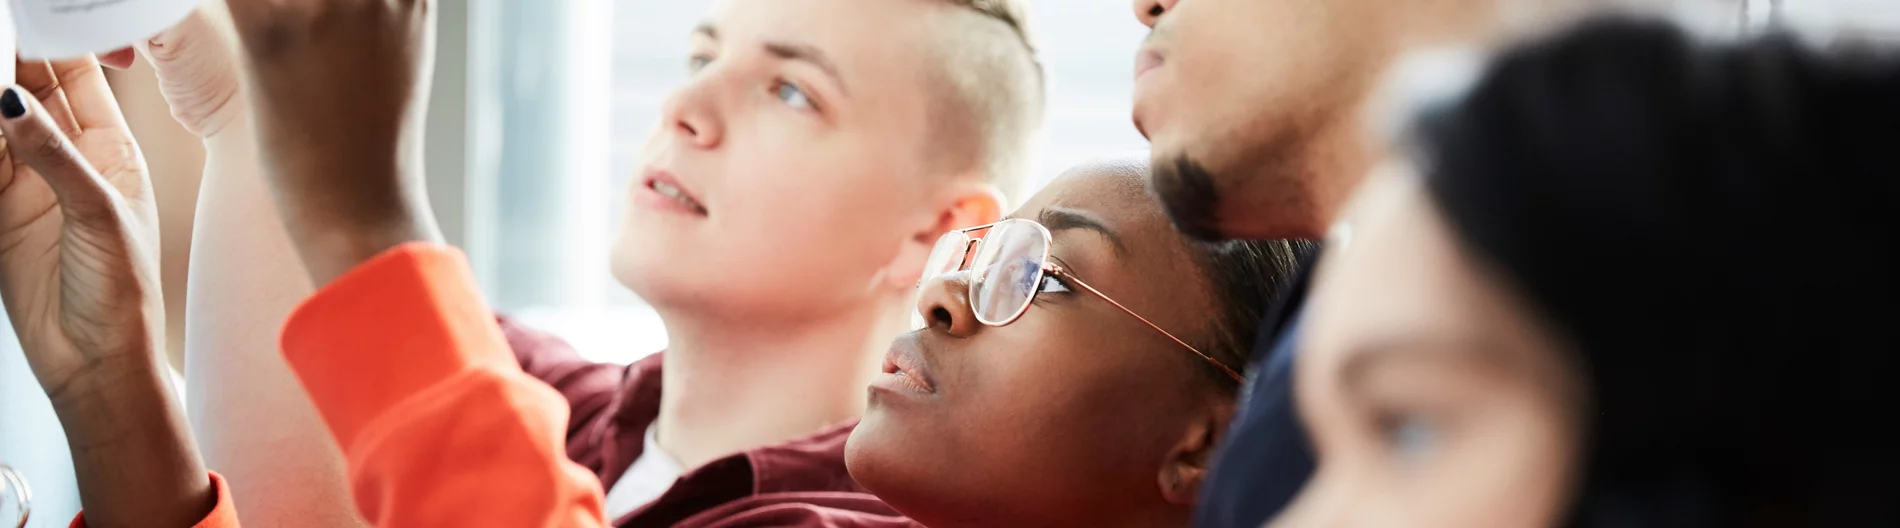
1076,371
1079,361
1630,279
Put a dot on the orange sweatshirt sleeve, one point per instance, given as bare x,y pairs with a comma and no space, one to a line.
439,425
223,515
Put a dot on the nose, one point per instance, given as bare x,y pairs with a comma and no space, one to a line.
944,304
1149,11
692,113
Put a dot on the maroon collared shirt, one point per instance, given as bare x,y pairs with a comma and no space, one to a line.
801,483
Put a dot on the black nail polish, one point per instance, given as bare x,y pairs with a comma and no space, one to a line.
10,104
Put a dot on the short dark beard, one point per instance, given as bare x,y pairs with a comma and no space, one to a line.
1186,190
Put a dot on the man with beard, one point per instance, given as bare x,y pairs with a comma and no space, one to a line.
1254,109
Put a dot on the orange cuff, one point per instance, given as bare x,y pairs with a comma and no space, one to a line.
388,329
223,514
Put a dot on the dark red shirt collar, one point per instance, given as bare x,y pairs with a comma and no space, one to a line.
611,407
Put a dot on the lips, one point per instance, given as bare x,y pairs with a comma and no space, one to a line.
1147,61
904,368
670,192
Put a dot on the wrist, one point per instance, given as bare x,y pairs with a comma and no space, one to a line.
331,245
132,452
227,128
225,114
110,397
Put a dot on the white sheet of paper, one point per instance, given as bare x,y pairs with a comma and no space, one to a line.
6,45
63,29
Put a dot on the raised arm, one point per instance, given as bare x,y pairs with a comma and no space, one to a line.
403,360
255,424
444,429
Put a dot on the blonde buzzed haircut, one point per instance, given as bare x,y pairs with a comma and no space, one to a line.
989,117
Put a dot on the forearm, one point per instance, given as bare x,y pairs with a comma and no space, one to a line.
345,198
132,453
257,426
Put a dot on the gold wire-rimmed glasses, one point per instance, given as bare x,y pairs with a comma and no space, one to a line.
1010,263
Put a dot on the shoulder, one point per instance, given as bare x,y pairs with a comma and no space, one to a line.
810,509
523,337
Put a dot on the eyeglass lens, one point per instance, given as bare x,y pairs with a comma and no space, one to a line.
1007,270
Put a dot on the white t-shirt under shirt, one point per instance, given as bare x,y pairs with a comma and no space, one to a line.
648,478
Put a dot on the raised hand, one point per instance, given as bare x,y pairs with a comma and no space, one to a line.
197,72
253,420
78,228
79,276
338,91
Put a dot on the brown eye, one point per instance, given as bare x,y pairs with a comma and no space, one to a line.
1052,284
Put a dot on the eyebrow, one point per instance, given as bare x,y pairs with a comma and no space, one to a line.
1363,359
1059,219
706,29
809,55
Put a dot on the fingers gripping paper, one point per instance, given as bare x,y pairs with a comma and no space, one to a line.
63,29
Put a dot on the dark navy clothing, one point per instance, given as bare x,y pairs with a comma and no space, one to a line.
1266,456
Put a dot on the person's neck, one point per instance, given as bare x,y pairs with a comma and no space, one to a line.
733,386
1346,147
1346,152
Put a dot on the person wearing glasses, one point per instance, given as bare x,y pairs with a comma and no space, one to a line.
1079,363
784,202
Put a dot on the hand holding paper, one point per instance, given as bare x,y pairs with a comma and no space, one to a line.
79,276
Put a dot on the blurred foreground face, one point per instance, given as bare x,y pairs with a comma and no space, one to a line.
1075,413
1432,397
789,167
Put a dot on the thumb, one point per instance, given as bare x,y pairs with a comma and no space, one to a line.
33,137
196,72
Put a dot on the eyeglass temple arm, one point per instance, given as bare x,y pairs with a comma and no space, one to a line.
1131,313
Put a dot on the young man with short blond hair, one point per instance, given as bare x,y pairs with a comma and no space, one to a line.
778,224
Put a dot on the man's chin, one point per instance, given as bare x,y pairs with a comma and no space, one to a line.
1188,192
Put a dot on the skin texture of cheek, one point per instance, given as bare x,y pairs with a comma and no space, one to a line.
789,230
1042,433
1090,426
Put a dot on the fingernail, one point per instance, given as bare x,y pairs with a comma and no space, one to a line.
10,104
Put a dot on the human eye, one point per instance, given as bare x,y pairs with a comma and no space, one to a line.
1052,284
792,95
1409,437
697,62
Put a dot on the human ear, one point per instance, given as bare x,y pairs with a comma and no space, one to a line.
1186,466
968,203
